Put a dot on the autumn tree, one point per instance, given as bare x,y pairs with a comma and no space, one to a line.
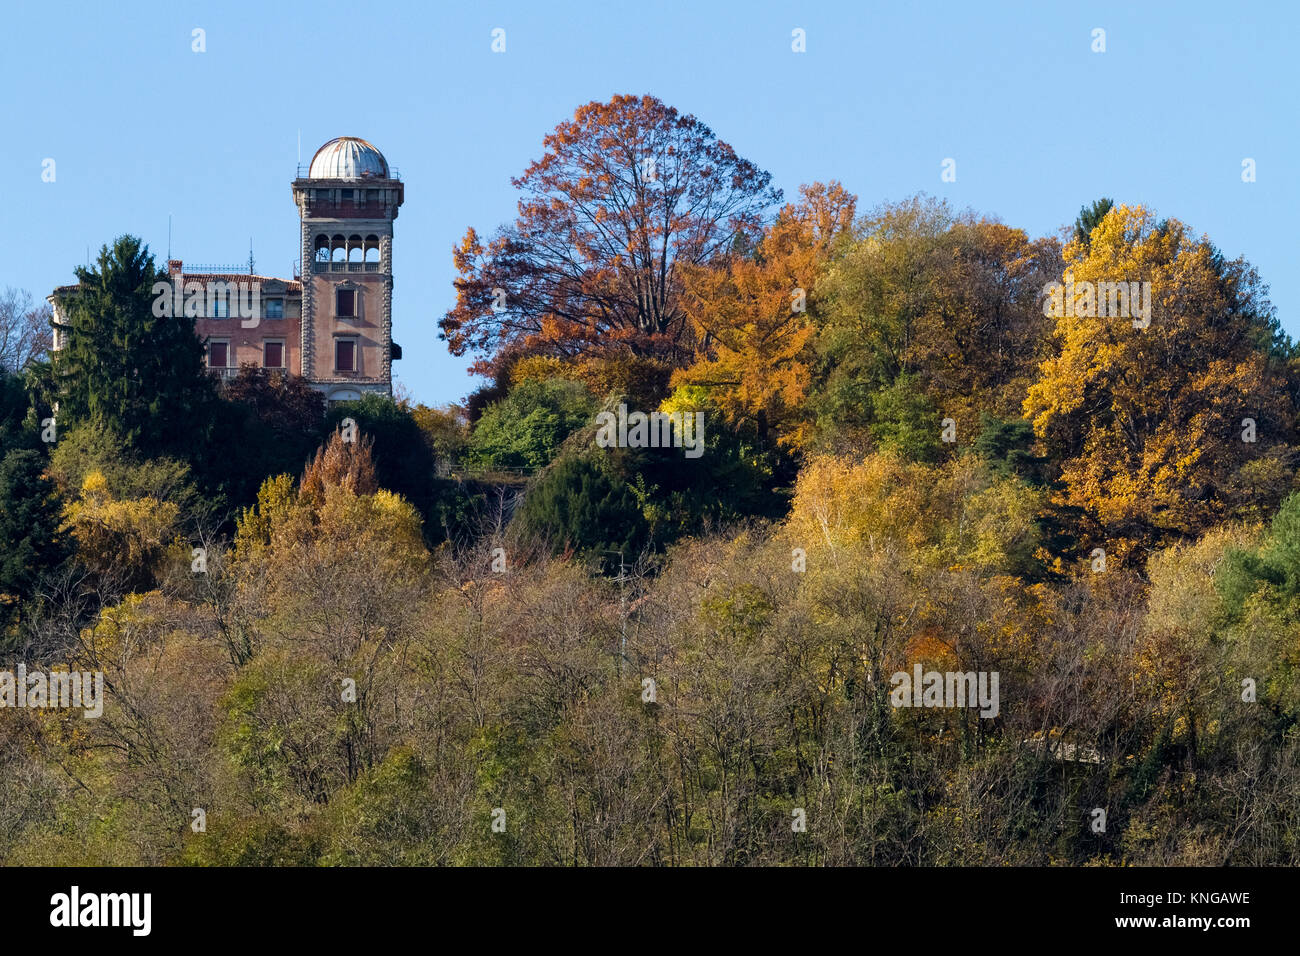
949,299
1171,418
403,458
445,429
123,541
340,463
283,401
626,193
750,313
266,422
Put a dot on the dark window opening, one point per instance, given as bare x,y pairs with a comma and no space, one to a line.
273,355
217,354
345,355
345,304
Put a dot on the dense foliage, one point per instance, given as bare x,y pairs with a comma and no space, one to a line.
482,635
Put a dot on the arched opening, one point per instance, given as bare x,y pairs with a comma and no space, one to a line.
338,249
344,395
372,248
356,249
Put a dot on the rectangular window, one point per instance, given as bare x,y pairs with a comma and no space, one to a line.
275,308
345,193
219,307
372,195
345,355
345,304
218,352
273,355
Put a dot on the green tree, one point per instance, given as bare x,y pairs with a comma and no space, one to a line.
30,541
576,505
1008,448
736,476
123,365
13,411
1090,218
524,430
30,506
1274,566
905,420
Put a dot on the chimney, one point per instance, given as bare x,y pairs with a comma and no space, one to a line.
173,267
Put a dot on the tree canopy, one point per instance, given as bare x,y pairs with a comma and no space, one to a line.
626,194
139,373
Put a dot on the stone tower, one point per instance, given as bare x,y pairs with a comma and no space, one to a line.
346,204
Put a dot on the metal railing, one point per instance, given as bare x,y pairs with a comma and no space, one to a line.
206,269
304,172
455,470
344,267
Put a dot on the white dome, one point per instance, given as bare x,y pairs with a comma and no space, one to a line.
348,157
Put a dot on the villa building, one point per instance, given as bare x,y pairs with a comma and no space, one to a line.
332,323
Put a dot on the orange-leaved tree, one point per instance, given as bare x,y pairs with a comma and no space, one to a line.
750,313
626,192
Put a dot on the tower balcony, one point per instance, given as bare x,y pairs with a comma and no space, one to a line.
319,267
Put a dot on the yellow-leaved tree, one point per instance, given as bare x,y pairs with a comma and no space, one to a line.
123,540
958,514
1168,399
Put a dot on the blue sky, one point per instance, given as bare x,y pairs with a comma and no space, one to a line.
141,127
